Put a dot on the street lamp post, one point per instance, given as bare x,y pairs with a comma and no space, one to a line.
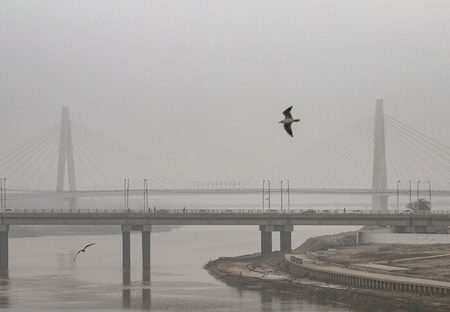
410,195
289,196
263,195
281,195
418,184
429,190
398,182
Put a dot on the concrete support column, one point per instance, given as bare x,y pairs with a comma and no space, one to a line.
266,239
126,258
4,252
285,237
146,269
285,241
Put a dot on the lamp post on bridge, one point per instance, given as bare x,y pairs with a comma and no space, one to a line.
263,195
281,195
398,193
418,184
289,197
429,190
410,194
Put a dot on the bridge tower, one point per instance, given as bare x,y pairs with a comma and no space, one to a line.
379,175
65,157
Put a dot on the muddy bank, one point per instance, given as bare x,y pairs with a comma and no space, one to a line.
269,274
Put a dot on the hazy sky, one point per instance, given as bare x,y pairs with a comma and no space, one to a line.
199,86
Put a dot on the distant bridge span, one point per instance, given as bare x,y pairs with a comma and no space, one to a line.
250,191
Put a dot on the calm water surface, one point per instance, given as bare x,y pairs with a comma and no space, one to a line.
43,276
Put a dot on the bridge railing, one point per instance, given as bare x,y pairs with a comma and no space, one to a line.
222,211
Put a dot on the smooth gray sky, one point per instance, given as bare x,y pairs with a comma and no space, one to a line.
199,86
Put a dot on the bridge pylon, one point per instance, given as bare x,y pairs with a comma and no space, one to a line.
65,157
379,175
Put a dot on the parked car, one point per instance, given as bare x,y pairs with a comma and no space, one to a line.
325,211
407,211
310,211
357,211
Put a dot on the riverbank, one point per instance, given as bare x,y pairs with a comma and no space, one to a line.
270,273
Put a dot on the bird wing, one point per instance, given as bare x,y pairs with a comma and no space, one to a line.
288,129
287,113
88,245
74,258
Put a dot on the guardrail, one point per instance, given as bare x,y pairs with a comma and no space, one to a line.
226,211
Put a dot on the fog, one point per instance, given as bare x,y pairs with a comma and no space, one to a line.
206,82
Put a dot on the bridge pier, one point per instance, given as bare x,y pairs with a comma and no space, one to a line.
4,250
266,239
285,238
146,231
126,257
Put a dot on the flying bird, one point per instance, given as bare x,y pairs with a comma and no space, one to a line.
82,250
288,120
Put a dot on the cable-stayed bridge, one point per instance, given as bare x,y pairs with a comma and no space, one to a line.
378,157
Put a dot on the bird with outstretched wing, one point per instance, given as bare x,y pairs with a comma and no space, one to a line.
288,120
82,250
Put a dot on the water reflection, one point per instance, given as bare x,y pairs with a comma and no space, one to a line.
146,298
126,298
144,293
286,303
266,301
4,292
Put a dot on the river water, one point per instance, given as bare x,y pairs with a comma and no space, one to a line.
43,276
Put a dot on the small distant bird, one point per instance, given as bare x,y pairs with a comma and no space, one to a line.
288,120
82,250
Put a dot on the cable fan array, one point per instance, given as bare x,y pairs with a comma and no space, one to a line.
343,161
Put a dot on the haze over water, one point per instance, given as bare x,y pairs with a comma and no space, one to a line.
43,277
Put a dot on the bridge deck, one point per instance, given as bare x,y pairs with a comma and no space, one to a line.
221,217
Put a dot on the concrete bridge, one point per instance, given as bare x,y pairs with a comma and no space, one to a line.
267,222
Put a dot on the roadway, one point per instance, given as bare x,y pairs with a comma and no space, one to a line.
222,217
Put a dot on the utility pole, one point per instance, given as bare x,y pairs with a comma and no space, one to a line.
263,195
126,186
429,189
289,197
398,195
281,195
418,184
410,195
145,194
268,182
3,193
